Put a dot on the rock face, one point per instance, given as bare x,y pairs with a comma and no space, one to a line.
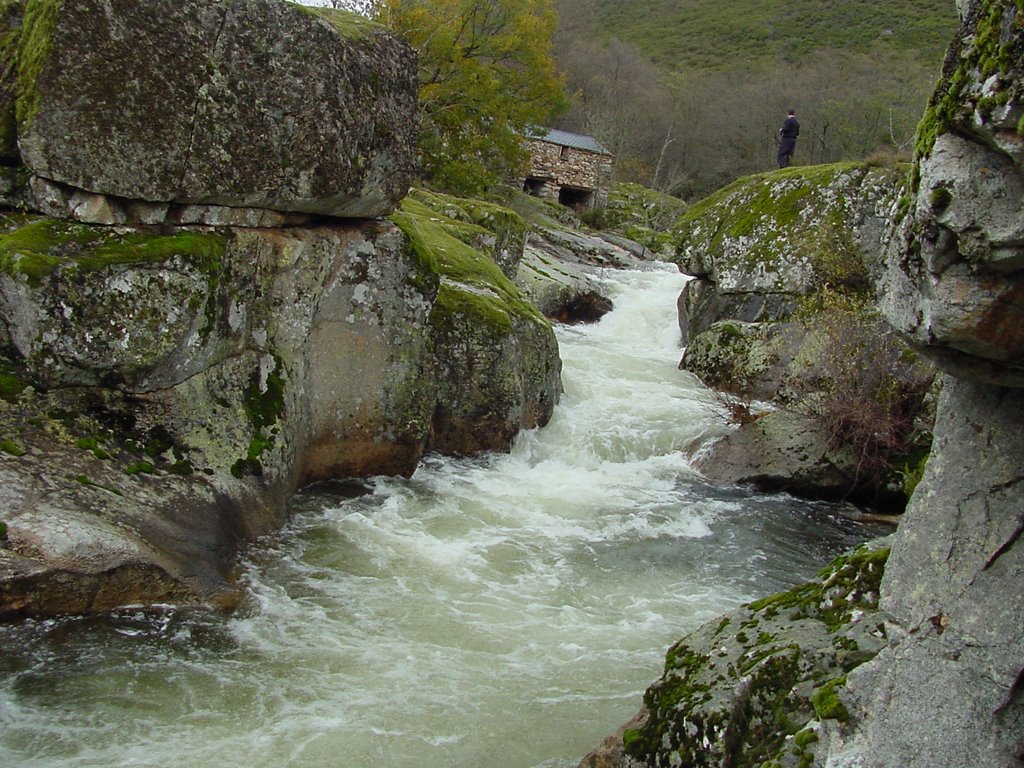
949,682
497,359
167,393
252,103
183,340
955,278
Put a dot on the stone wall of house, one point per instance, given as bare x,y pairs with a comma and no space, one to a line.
566,167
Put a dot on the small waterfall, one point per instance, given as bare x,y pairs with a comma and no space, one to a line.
503,611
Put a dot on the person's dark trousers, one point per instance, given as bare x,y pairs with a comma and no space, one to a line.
786,147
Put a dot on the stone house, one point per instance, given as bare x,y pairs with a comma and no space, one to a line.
568,167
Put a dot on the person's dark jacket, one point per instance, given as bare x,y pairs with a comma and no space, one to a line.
790,128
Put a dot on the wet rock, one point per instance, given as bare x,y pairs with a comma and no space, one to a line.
757,686
498,369
168,393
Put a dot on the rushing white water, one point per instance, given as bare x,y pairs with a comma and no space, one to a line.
506,611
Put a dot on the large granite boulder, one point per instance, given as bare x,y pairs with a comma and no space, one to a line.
250,103
948,686
165,394
949,681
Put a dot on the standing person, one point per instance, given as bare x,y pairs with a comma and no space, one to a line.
787,138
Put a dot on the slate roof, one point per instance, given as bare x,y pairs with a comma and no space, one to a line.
567,139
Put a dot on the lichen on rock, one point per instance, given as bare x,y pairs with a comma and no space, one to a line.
270,106
756,686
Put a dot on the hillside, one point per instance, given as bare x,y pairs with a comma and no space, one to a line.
720,34
689,94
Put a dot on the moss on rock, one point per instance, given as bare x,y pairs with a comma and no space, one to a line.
788,231
496,355
749,700
982,70
34,45
37,247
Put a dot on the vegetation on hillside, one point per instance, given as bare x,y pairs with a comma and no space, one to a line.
689,94
714,35
486,74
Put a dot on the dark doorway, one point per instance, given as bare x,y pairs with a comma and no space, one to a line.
578,199
533,186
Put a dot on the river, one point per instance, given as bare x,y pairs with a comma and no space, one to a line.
500,612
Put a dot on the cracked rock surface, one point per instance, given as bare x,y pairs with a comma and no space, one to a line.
252,103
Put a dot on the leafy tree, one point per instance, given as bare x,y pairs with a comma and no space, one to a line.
487,73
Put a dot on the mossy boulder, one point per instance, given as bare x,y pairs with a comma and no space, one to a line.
759,686
765,241
498,367
271,104
175,390
783,311
949,684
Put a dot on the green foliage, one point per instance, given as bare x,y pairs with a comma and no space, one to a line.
691,95
10,386
708,34
486,73
913,473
